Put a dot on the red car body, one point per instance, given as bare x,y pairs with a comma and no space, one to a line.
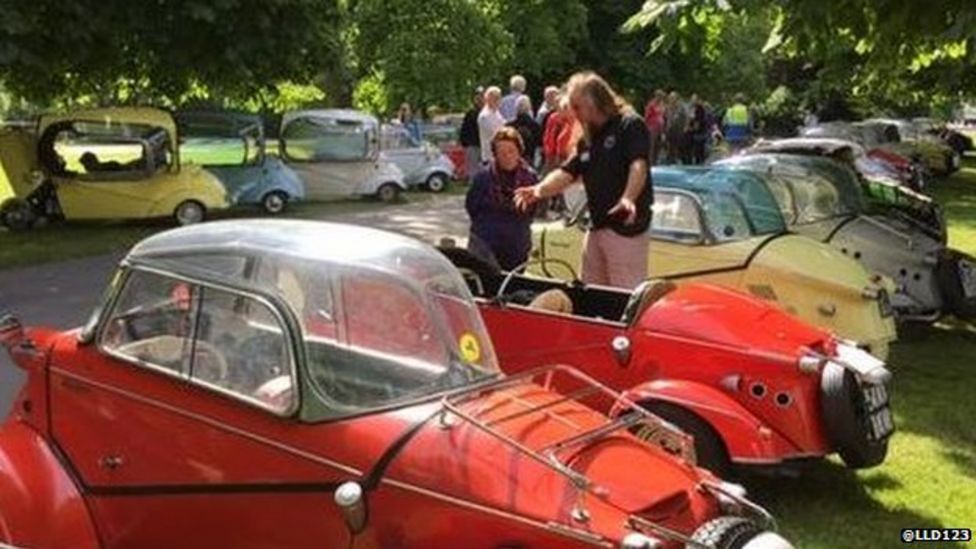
111,444
739,371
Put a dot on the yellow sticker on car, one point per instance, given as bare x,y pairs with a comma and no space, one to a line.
470,348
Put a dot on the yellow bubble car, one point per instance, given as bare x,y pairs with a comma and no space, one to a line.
113,163
724,227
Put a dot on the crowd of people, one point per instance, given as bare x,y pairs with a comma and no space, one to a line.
583,132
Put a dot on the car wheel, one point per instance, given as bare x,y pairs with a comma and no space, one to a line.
189,212
726,532
955,272
709,448
388,192
437,183
843,408
274,202
17,215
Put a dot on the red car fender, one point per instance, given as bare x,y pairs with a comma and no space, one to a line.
40,505
746,439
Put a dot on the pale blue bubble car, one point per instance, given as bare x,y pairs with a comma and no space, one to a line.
233,147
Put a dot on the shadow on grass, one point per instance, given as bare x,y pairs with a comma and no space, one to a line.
831,506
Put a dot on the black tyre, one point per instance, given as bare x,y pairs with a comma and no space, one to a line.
17,215
438,182
844,412
709,448
388,192
189,212
725,532
953,269
274,202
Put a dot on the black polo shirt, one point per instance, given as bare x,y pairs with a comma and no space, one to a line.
604,163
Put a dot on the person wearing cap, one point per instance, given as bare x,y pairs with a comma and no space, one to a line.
611,160
469,137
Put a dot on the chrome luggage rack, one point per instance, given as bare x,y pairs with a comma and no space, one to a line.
628,415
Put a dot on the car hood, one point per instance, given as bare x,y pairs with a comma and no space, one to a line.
466,462
713,314
818,265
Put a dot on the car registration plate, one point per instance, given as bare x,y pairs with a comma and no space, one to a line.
967,277
879,416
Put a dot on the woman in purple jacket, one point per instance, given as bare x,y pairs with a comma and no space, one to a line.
500,233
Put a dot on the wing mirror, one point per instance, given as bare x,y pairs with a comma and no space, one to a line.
11,330
351,499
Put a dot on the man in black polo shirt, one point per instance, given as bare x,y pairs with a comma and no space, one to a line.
612,162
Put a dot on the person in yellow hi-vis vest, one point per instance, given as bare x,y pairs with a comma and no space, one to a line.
737,123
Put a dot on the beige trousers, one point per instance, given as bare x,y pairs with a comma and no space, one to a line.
610,259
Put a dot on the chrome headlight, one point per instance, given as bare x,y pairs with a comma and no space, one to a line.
768,540
862,364
636,540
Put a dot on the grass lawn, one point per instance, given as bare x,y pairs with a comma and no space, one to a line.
929,478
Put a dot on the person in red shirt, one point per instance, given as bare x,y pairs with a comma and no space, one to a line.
654,118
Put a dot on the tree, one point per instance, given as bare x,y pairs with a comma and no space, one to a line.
545,33
429,52
878,56
122,50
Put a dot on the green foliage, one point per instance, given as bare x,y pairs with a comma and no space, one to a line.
125,51
370,95
545,34
429,51
900,57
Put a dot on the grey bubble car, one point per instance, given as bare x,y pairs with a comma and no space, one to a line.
821,198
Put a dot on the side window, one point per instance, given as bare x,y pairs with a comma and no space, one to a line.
676,217
780,188
241,347
222,339
316,140
104,151
726,216
152,322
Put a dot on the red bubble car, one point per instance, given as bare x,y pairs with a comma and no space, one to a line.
298,384
752,384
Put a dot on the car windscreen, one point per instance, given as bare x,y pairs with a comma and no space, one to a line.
376,338
213,139
735,204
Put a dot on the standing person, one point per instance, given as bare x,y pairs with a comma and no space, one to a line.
550,104
697,131
738,124
560,136
527,127
654,118
516,87
469,137
676,120
489,121
405,117
611,160
499,230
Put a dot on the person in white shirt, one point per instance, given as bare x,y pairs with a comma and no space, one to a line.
489,120
509,105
